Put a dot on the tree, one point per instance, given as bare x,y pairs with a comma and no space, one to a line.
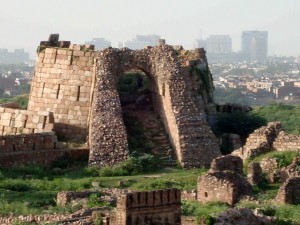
240,123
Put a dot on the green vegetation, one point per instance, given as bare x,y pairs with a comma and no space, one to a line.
288,115
284,158
128,82
21,99
28,190
205,76
203,212
239,123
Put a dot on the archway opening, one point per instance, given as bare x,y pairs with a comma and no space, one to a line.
145,129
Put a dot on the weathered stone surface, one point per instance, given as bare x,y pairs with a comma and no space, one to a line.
260,141
289,192
190,195
287,142
172,93
243,216
222,186
79,85
270,167
228,162
254,175
153,207
292,170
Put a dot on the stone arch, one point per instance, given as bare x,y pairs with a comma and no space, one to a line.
189,133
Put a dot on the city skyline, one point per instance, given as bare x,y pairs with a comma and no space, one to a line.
24,24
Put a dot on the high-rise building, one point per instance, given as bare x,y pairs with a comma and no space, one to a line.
255,45
17,56
141,41
100,43
216,44
219,43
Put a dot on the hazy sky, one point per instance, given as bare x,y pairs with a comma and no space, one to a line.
24,23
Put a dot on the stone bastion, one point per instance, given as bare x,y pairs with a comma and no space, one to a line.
78,86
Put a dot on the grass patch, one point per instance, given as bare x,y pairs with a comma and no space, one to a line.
33,190
284,158
203,212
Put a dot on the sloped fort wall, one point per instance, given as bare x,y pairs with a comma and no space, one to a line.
79,86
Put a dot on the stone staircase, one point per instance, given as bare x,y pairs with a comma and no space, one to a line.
153,129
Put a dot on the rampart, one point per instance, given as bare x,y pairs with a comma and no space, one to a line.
153,207
62,84
79,86
16,121
268,138
180,98
75,88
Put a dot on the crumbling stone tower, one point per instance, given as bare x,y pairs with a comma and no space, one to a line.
79,85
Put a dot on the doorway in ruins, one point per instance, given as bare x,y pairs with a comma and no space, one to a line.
145,130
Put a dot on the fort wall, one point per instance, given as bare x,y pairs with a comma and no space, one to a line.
62,85
79,86
153,207
16,121
34,149
174,99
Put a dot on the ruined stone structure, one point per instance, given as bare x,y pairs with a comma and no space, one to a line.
260,141
222,186
254,174
292,170
270,166
243,216
287,142
153,207
289,192
62,84
77,86
268,138
223,182
227,162
16,121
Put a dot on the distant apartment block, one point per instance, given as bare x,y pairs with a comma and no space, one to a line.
17,56
140,41
215,44
255,45
100,43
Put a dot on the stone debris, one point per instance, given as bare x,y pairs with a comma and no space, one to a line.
243,216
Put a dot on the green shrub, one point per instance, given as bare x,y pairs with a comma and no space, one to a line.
15,185
239,123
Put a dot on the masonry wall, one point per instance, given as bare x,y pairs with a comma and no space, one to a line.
260,141
34,152
287,142
268,138
289,192
62,84
16,121
226,186
27,142
174,100
227,162
153,207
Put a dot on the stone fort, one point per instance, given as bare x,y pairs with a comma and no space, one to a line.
74,94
